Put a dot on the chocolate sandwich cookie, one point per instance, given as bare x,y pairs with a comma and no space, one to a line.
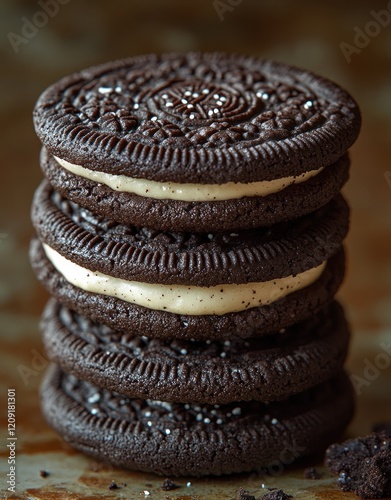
264,369
186,439
197,142
297,199
187,285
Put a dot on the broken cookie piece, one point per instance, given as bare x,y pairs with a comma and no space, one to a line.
169,485
244,495
276,495
312,473
363,465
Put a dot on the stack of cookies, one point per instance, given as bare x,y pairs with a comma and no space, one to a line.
190,233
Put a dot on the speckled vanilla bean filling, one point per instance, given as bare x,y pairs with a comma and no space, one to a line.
186,192
183,299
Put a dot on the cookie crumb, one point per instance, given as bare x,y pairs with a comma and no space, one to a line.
363,465
113,486
44,473
169,485
244,495
276,495
312,473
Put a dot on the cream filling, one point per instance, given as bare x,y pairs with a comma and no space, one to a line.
186,192
183,299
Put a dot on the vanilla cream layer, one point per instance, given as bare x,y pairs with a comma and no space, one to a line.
183,299
188,191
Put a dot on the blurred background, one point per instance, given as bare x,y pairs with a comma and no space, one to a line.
349,42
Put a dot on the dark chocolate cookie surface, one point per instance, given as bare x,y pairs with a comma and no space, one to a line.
265,369
197,118
176,439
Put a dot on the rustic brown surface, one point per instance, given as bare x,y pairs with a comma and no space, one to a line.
85,33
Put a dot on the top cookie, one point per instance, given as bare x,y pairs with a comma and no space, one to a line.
197,128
